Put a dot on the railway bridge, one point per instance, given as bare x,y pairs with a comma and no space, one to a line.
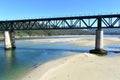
98,22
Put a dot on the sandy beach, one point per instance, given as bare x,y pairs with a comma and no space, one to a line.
91,42
80,41
78,66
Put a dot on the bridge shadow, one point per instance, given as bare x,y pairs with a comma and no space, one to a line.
114,51
74,51
51,49
45,55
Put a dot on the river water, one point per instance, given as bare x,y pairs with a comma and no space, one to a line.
27,55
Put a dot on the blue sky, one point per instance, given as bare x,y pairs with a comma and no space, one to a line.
27,9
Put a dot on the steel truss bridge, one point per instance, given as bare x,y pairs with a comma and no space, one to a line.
77,22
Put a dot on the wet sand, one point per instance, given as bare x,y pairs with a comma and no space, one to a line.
79,66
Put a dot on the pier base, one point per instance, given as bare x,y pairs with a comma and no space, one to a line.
100,51
99,43
9,40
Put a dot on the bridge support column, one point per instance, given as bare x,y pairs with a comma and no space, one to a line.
99,43
9,40
99,39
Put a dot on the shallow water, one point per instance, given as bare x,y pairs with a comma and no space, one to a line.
27,55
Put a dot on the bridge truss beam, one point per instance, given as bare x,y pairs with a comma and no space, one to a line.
79,22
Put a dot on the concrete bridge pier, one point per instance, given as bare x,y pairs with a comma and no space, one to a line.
9,40
99,39
99,43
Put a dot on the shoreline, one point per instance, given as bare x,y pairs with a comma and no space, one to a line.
91,42
80,41
46,67
78,66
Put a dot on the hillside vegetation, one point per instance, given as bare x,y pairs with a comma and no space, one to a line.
32,33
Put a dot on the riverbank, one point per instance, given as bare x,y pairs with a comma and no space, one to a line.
79,66
91,42
79,41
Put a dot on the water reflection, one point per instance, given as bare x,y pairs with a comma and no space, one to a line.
10,58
